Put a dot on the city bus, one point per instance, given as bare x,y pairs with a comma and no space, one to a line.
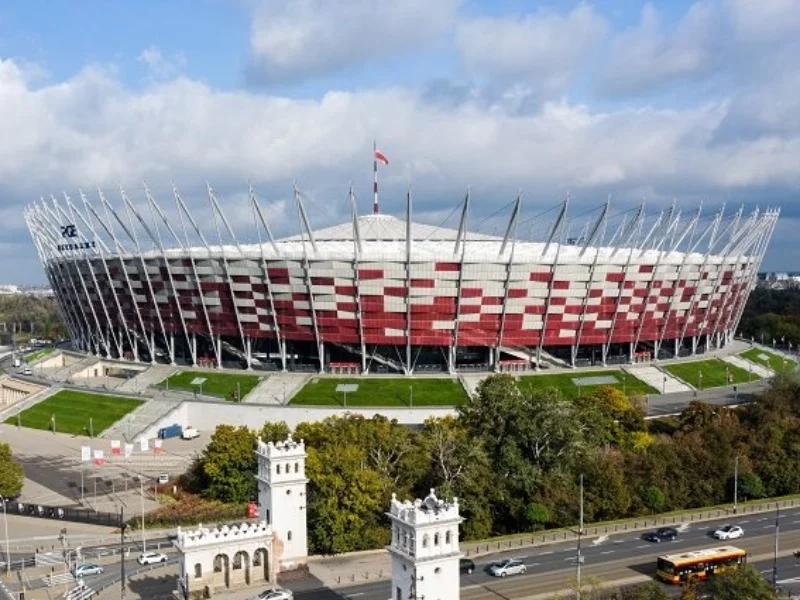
699,564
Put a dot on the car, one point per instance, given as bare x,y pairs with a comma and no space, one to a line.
274,594
508,566
27,371
662,534
729,532
190,433
152,558
465,565
87,569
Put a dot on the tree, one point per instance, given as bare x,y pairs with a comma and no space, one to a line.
536,515
274,432
653,498
648,591
12,475
228,464
745,582
750,486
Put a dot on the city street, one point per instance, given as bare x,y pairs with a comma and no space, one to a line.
621,557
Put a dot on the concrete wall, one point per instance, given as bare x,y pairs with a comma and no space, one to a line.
205,416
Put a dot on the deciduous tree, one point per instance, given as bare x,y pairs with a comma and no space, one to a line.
12,475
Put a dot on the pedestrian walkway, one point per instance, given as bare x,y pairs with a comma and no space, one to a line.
136,422
153,375
658,379
738,361
277,389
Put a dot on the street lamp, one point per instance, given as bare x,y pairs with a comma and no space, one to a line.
664,387
699,380
8,548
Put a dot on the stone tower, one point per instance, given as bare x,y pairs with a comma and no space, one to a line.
424,549
282,498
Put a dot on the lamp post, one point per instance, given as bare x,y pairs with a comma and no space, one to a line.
735,483
579,558
8,548
664,385
700,380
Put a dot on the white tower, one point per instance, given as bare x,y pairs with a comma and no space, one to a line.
424,549
282,498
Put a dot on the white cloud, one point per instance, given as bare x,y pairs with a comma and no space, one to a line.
159,66
542,49
645,57
301,38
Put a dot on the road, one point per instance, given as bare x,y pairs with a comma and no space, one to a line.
551,568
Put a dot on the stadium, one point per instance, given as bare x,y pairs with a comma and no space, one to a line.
381,293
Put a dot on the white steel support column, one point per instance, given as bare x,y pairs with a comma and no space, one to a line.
409,368
689,231
512,232
598,229
738,237
754,270
557,225
49,247
126,202
103,250
265,270
216,209
304,223
357,251
626,242
671,226
154,207
184,211
460,251
757,243
110,333
98,328
109,210
50,262
704,265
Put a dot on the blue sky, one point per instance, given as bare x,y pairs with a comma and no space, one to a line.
661,100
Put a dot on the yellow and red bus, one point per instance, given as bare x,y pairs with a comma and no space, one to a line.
699,564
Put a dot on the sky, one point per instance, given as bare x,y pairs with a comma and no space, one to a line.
640,101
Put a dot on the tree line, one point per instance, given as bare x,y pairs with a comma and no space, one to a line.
514,457
25,312
772,315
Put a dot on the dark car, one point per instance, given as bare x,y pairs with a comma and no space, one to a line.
663,534
466,565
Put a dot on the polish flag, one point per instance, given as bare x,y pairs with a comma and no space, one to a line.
381,157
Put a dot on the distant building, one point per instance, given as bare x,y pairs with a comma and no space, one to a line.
8,289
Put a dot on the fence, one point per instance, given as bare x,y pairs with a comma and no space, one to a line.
61,513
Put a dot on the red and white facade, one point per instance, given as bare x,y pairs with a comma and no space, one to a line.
379,290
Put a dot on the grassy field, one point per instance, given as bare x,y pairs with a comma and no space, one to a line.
563,382
33,356
222,385
713,373
382,392
72,410
773,361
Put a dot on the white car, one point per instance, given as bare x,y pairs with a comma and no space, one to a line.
152,558
508,566
87,569
274,594
729,532
190,433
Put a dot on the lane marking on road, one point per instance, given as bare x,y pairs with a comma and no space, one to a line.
532,564
743,522
642,546
545,553
608,552
356,594
767,526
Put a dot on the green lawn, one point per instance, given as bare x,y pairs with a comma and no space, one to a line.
72,410
382,391
713,373
34,356
563,382
222,385
773,361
